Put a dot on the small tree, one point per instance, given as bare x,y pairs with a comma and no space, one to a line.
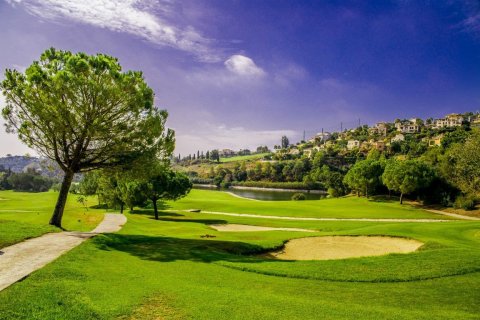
214,155
285,143
84,113
406,176
165,184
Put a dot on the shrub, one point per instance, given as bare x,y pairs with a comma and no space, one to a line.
29,181
299,197
464,202
225,184
334,193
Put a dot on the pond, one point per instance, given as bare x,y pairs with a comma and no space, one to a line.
268,195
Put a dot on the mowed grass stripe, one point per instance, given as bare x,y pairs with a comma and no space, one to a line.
346,207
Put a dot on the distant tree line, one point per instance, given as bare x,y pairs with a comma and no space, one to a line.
28,181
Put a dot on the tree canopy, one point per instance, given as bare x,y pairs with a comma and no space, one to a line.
85,113
166,184
464,164
364,175
406,176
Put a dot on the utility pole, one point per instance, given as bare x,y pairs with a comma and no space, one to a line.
359,122
341,127
303,134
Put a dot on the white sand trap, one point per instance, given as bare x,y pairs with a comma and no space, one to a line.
342,247
244,227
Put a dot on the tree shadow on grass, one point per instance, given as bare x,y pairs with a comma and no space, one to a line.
149,212
167,249
204,221
176,217
384,199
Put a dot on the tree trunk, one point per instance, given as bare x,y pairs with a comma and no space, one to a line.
56,219
155,209
121,208
401,198
366,192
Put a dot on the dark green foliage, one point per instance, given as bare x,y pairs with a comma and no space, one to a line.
285,142
89,183
165,184
407,176
4,175
464,202
299,197
364,176
453,137
214,155
463,165
29,181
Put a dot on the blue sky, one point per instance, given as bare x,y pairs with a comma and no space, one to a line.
237,74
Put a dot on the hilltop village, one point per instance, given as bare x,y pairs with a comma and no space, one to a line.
385,136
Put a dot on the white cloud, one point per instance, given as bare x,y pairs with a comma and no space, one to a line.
472,23
236,138
243,66
130,16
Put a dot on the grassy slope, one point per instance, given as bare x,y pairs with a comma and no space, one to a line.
26,215
328,208
244,158
154,269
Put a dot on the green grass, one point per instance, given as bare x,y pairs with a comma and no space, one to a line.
244,158
165,270
347,207
26,215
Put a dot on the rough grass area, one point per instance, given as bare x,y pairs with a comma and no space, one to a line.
255,156
26,215
12,232
346,207
168,269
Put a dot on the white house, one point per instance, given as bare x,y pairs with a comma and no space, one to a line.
399,137
352,144
379,128
450,120
408,126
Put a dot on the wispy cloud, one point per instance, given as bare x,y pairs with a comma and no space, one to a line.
472,23
131,16
243,66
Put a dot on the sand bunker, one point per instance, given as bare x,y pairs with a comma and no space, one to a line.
244,227
342,247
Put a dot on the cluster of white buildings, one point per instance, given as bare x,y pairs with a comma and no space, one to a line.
402,127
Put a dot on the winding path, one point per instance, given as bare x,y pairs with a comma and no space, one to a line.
21,259
454,215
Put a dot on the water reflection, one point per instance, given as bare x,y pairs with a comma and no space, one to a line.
268,195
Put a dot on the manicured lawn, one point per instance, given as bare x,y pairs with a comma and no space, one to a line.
166,270
26,215
347,207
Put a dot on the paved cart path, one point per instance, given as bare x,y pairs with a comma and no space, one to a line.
454,215
21,259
